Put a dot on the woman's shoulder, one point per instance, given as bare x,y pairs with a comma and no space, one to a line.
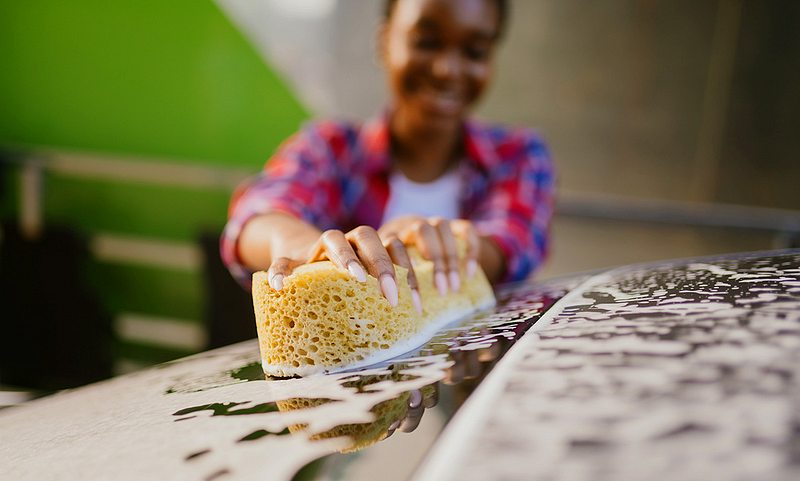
353,144
336,133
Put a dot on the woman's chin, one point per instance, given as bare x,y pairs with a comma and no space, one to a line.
441,116
430,116
444,108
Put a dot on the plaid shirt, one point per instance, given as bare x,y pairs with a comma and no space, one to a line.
335,175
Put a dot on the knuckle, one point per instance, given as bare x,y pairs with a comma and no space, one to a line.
330,235
279,264
363,231
395,243
426,229
418,225
384,265
344,253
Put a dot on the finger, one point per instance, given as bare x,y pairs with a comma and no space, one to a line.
450,251
466,231
414,412
472,365
455,373
412,419
415,398
492,351
281,268
399,255
373,255
334,245
393,427
427,240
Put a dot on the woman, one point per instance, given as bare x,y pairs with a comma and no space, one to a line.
421,175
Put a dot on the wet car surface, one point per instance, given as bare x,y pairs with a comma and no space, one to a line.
675,370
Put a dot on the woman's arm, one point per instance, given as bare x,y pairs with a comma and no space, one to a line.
516,210
492,260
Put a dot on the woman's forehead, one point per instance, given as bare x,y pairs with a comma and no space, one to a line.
480,16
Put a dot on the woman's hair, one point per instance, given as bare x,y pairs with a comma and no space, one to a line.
502,14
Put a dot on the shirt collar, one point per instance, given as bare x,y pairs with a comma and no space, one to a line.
376,140
376,144
479,145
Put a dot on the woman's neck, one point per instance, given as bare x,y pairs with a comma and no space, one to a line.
424,154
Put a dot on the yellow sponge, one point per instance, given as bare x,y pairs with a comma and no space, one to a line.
323,320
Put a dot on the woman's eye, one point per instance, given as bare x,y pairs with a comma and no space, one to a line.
476,52
426,43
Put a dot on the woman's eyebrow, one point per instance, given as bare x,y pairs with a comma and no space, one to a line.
482,34
475,33
425,23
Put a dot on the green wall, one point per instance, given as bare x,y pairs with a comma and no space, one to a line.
138,76
172,80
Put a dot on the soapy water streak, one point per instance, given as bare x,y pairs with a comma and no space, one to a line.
359,408
683,372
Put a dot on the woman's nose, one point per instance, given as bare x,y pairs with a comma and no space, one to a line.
447,65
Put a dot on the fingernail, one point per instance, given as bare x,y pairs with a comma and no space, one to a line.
389,288
415,399
276,282
455,281
472,267
415,299
441,282
357,271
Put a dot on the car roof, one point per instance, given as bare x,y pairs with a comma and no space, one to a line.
676,370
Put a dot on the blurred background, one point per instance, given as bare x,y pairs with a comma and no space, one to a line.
124,127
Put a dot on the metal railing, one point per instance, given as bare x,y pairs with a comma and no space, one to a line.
784,223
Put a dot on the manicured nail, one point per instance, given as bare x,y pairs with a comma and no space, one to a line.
276,282
357,271
389,288
415,299
415,399
441,282
472,267
455,281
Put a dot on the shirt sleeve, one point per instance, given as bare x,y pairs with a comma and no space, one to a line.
299,180
517,211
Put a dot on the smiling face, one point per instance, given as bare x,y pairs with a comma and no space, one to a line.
438,57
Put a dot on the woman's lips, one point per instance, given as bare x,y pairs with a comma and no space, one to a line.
441,102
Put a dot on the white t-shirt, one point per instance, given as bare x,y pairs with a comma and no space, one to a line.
432,199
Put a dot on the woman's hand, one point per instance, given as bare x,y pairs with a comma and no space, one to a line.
362,247
436,240
359,251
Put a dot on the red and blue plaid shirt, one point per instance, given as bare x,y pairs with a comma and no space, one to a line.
336,175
